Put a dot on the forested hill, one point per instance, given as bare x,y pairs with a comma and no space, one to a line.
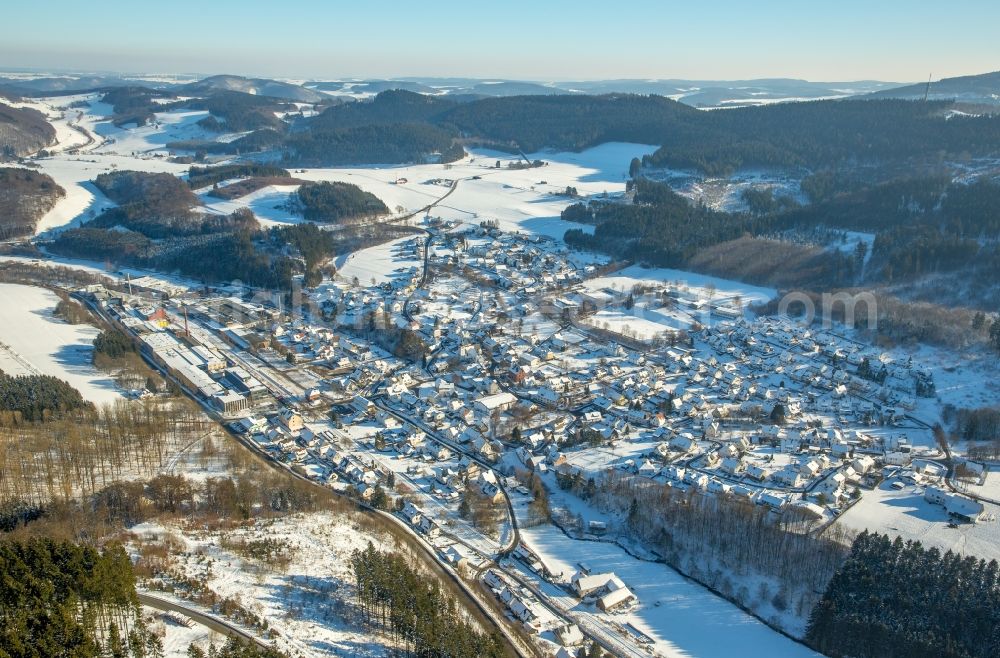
922,226
899,599
23,131
981,88
573,122
529,123
398,126
826,134
814,135
393,106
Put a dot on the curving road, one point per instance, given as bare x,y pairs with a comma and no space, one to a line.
208,621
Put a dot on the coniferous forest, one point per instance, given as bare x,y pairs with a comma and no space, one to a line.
896,599
399,601
64,599
37,397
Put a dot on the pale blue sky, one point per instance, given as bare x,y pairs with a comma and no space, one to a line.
722,39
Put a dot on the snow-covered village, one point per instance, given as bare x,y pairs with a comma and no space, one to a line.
462,366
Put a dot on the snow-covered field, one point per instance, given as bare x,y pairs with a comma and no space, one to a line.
380,263
33,341
173,126
965,379
682,617
267,203
905,513
701,285
83,201
647,320
641,323
529,200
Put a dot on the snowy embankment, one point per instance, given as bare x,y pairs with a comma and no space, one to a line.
33,341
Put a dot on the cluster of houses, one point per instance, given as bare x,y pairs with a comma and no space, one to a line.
522,263
521,604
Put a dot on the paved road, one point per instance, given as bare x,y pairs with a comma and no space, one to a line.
209,621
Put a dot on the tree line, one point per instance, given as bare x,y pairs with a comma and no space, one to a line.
199,177
720,540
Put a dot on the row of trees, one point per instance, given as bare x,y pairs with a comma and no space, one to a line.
234,648
721,540
981,427
396,599
199,177
893,598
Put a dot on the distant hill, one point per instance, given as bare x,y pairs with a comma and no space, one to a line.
394,106
356,88
729,93
61,84
258,86
23,131
982,88
697,93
